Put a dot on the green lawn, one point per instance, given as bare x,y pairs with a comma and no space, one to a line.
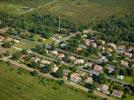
15,86
129,79
28,44
78,11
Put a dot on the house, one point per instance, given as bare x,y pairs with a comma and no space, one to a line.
75,77
88,80
79,61
36,59
128,54
102,42
61,55
103,59
78,49
55,68
85,36
104,88
3,30
45,62
87,42
120,52
81,73
82,46
98,68
54,52
94,45
9,39
113,46
121,77
102,48
65,72
124,63
87,31
88,64
110,68
92,72
109,50
71,58
16,41
2,38
49,47
63,45
132,66
23,57
117,93
121,47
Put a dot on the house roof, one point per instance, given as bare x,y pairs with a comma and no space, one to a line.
104,88
97,68
117,93
55,68
71,58
3,30
128,54
55,52
75,77
112,45
65,72
61,55
109,50
87,42
111,68
89,64
45,62
79,49
124,63
79,61
88,80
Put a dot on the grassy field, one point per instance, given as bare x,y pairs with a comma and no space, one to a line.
15,86
79,11
129,79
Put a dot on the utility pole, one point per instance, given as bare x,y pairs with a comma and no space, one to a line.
59,25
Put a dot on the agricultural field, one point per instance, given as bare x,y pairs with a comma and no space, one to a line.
78,11
16,85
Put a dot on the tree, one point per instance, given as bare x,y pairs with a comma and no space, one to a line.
60,82
24,52
7,44
12,32
35,64
16,55
102,78
123,72
90,86
34,73
90,35
59,73
7,53
74,42
47,34
130,72
46,68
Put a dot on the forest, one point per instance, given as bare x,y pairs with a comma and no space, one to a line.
113,28
45,25
116,29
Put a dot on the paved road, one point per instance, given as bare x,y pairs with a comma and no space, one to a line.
80,56
106,76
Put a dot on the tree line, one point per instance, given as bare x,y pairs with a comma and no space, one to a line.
116,29
44,25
